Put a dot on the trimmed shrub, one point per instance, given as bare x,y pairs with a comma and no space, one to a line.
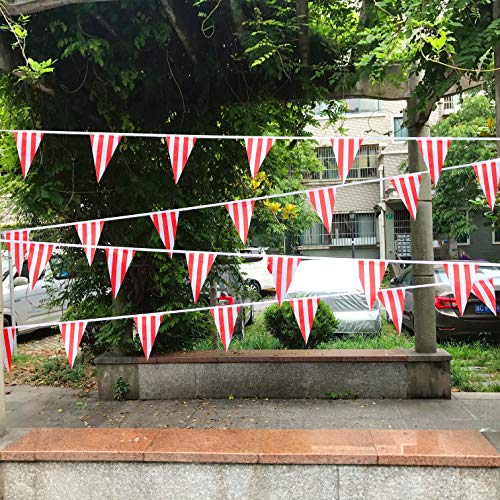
281,323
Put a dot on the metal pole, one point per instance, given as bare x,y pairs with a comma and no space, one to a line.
3,428
496,15
382,213
12,302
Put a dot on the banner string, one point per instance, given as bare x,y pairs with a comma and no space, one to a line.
248,256
224,203
207,308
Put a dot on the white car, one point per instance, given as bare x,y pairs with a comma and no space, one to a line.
255,270
338,277
31,306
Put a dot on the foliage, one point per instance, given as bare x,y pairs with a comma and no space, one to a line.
281,324
458,190
121,388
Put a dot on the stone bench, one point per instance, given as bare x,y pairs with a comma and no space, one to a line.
281,374
213,463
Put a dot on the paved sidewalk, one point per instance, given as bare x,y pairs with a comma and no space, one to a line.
29,407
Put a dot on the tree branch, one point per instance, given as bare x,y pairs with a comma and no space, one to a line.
17,7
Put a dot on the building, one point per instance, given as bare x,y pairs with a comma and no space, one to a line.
365,213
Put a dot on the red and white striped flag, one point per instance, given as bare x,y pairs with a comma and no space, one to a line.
39,255
119,260
241,214
345,150
89,234
257,150
304,310
408,189
147,326
282,269
199,265
72,333
323,201
488,174
18,247
434,151
484,290
179,149
225,318
9,333
166,225
393,299
27,143
371,274
103,147
461,277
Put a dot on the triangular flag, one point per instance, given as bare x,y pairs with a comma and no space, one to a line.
257,150
488,174
225,318
71,333
434,151
147,326
199,265
103,147
484,290
461,277
371,274
282,269
166,225
345,150
241,214
39,255
9,333
304,310
408,189
393,299
27,143
18,247
323,201
179,149
119,260
89,234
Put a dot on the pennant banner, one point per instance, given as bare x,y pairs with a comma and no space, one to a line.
27,143
257,150
282,269
305,310
103,147
241,214
371,274
18,247
119,260
323,201
488,174
408,189
484,290
199,265
434,151
147,327
39,255
166,225
461,277
345,150
225,318
89,234
393,299
179,149
71,333
9,334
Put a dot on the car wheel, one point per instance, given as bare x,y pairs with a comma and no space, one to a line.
255,286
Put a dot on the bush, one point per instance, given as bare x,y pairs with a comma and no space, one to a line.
281,323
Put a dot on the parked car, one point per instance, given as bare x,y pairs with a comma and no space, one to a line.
322,277
255,271
477,321
33,306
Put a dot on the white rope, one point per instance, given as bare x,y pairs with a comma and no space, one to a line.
223,203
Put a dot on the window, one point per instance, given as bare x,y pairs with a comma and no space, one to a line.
365,164
362,105
496,237
362,229
399,128
451,102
